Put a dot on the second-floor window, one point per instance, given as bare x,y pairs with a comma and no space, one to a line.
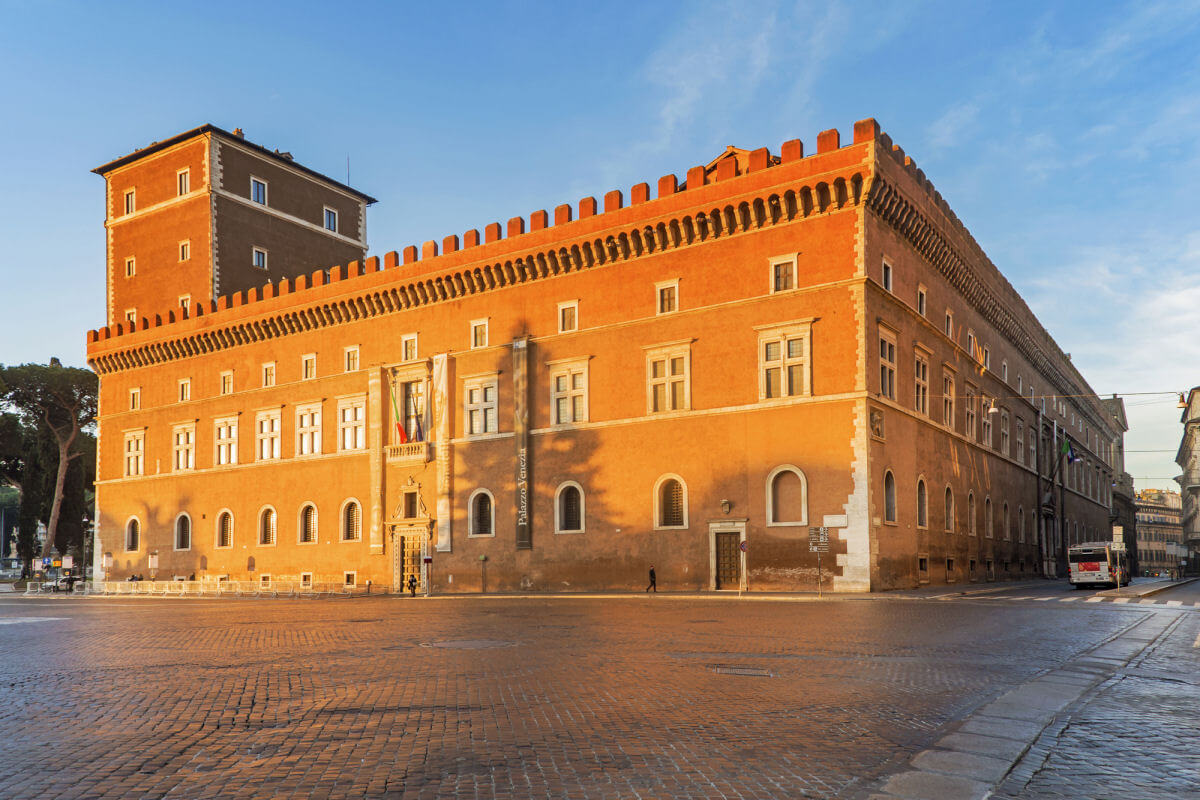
258,257
969,405
887,365
267,429
308,430
480,395
1004,435
568,393
986,405
783,362
352,430
921,298
225,433
887,276
130,201
331,221
668,379
185,447
948,401
135,453
258,191
921,384
183,182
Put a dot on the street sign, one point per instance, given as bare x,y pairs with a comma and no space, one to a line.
818,540
744,546
68,561
1118,533
46,561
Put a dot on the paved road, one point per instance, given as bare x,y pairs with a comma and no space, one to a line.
610,698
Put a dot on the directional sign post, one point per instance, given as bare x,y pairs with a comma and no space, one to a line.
818,542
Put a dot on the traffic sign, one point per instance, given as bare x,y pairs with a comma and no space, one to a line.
744,546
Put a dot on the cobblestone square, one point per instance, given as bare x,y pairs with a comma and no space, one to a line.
624,697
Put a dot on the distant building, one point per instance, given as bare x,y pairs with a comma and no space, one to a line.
691,375
1188,458
1124,501
1160,533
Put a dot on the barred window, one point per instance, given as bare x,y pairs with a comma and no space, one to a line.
351,522
671,504
889,497
225,529
308,524
569,516
132,532
183,532
266,527
949,526
922,505
481,522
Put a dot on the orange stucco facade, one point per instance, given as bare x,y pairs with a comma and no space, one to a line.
691,382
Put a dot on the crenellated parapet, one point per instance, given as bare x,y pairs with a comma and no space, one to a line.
728,197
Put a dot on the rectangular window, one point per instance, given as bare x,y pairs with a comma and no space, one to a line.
986,406
259,257
130,201
921,300
131,316
183,182
226,435
351,579
971,344
569,392
258,191
135,399
308,366
668,378
921,384
306,580
331,222
350,359
969,405
135,453
1004,371
184,447
408,347
268,374
784,361
227,382
352,424
185,389
308,430
667,296
783,274
185,303
479,394
949,325
987,358
268,427
130,267
1004,435
185,251
479,333
568,316
1020,441
887,365
887,276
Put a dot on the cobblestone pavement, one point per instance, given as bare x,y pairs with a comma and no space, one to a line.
610,698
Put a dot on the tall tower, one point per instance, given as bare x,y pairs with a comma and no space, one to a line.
207,213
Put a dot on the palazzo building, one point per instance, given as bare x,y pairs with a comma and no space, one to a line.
690,376
1161,547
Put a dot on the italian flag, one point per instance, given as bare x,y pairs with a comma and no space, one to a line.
401,436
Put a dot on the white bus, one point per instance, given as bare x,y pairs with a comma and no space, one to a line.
1096,563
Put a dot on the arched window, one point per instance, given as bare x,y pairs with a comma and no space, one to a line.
482,512
183,532
670,502
889,497
308,524
133,531
971,513
949,510
1007,527
266,526
225,529
568,508
351,521
987,517
922,505
787,496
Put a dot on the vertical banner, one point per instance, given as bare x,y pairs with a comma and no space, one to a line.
442,450
521,437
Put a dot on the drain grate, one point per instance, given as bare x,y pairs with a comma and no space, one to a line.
735,669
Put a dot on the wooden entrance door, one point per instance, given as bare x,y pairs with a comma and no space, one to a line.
408,550
729,560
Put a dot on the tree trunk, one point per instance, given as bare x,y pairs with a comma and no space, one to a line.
64,459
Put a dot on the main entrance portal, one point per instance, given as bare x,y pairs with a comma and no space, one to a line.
410,545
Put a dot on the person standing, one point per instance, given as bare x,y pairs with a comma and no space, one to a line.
412,585
653,581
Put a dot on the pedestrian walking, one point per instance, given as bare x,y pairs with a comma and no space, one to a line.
653,581
412,585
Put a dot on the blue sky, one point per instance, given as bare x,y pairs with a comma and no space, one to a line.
1063,135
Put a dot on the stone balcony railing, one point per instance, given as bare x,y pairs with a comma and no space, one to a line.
413,452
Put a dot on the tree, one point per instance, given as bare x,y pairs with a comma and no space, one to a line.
63,400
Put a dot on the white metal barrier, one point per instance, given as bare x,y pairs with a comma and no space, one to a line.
274,588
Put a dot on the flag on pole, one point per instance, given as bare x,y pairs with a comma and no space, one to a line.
1069,452
401,436
418,434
